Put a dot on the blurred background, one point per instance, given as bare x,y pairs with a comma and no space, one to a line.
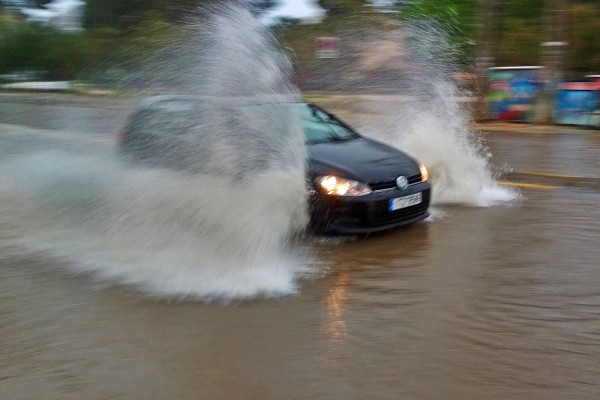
336,45
73,39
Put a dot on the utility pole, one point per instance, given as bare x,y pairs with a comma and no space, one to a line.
486,20
552,55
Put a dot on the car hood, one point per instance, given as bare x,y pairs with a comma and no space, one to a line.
360,159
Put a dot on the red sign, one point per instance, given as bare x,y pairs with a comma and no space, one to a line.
579,85
326,47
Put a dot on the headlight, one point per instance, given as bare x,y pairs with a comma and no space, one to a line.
336,186
424,173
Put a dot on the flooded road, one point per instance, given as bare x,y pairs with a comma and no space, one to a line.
478,303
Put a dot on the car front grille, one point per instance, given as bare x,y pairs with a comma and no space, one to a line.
392,184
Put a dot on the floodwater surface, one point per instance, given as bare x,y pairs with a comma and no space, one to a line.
495,302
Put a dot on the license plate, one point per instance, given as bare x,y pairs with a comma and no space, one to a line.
406,201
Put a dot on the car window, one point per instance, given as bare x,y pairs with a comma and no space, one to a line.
318,126
174,117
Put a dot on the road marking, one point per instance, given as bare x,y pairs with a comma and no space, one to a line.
538,180
546,175
549,187
530,185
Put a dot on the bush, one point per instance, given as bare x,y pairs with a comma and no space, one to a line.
32,47
66,56
583,48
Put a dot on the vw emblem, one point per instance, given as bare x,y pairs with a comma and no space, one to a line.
402,182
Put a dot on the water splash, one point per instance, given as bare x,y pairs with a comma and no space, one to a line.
214,234
168,233
439,135
434,127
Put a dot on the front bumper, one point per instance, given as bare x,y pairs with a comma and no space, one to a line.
366,214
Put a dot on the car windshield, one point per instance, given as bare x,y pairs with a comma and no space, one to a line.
320,127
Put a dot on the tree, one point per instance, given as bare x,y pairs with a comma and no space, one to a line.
341,6
126,14
583,49
457,18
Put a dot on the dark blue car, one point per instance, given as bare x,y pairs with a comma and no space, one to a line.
357,185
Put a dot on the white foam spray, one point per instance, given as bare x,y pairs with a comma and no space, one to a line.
223,234
459,164
167,233
434,128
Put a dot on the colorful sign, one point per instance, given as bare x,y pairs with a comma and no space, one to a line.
578,103
512,92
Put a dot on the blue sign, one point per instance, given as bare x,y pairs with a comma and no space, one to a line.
577,103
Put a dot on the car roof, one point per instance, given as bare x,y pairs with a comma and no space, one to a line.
235,101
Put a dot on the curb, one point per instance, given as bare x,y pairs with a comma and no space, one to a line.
67,87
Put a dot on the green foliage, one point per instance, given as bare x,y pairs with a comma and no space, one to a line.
32,47
519,42
341,6
458,16
26,46
530,10
126,14
518,29
455,17
583,50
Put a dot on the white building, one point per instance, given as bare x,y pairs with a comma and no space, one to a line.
65,15
307,11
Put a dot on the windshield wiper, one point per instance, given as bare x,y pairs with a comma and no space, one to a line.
334,138
330,139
